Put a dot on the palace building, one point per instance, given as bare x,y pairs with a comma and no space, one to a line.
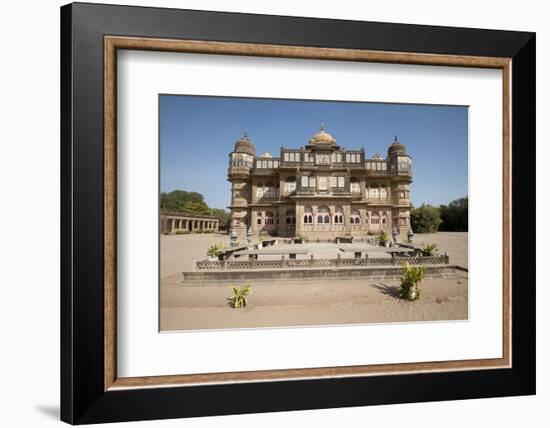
320,190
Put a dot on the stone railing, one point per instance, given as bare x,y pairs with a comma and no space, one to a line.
319,263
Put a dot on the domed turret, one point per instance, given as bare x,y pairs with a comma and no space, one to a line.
397,148
322,137
244,145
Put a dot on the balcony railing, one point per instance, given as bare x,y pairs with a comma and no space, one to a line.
378,173
238,170
267,198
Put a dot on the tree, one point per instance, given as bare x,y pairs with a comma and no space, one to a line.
222,215
425,219
191,202
180,200
455,215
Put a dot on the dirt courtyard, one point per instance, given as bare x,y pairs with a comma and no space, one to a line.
187,306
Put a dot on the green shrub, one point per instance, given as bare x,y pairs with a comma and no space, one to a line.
429,249
425,219
214,249
412,277
299,239
239,297
182,232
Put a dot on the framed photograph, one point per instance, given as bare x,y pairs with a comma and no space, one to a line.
266,213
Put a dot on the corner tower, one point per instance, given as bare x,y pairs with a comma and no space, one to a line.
401,169
241,160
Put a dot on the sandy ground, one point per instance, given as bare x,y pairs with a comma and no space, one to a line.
455,244
310,303
186,306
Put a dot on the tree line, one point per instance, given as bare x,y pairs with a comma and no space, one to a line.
452,217
191,202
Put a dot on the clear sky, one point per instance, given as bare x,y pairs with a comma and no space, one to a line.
197,134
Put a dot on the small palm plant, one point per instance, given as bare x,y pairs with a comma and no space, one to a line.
214,249
429,249
383,238
239,297
299,239
412,277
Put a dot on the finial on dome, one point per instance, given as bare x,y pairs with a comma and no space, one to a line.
322,126
245,135
396,139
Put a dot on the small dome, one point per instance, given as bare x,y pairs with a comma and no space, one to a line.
322,137
397,148
244,145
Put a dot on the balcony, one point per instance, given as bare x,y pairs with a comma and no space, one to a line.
379,173
238,171
378,200
266,198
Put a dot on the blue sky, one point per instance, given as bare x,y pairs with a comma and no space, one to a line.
197,134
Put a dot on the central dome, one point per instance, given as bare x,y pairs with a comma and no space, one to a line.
322,137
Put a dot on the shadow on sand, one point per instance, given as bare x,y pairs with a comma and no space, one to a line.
389,290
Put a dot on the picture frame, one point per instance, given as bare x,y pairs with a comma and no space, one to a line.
91,391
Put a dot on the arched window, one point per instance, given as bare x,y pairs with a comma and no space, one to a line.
269,218
323,215
384,221
290,185
355,217
290,216
308,215
338,215
374,218
354,186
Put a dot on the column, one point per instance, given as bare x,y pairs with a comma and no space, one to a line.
363,215
299,220
347,214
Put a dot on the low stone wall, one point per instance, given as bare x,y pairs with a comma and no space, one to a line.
284,263
442,271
